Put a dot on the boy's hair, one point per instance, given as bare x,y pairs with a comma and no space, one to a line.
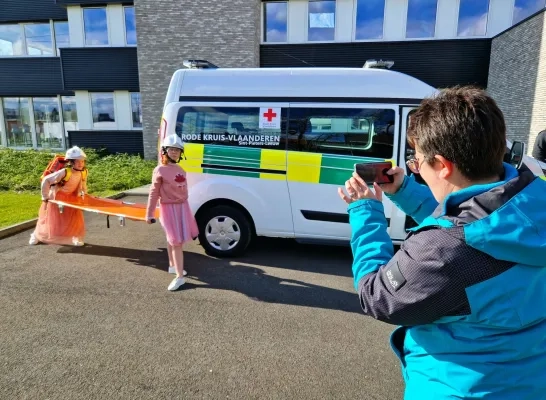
464,125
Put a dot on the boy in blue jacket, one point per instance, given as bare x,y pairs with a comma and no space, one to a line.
468,285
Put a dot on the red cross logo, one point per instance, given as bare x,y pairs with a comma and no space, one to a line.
270,115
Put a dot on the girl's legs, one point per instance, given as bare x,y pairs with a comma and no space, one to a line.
170,253
178,258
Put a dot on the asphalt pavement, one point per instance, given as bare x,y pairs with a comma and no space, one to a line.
97,322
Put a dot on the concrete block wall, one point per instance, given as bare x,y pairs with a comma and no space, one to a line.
226,33
517,78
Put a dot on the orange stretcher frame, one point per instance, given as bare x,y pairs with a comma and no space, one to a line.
109,207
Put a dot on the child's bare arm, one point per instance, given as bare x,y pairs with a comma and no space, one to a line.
51,179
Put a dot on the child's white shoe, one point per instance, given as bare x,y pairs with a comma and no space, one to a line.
77,242
176,284
33,241
172,270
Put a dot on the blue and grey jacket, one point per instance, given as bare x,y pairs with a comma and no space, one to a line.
467,287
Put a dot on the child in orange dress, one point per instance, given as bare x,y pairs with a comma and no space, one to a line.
68,227
170,187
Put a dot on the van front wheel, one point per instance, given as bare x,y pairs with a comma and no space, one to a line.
224,231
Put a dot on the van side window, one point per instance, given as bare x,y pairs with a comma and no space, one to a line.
345,131
233,126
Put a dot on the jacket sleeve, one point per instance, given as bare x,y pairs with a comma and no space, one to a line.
425,281
414,199
50,180
370,242
153,195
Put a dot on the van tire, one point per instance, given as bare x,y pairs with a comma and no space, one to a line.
231,220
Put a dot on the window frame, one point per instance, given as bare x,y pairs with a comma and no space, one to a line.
355,24
22,33
263,19
85,44
456,33
131,110
307,40
435,24
113,124
125,7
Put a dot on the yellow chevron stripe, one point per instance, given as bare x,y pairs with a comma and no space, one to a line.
304,167
543,177
194,157
273,159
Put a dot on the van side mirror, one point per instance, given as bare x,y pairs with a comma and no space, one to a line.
515,157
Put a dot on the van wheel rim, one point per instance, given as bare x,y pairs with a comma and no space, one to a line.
223,233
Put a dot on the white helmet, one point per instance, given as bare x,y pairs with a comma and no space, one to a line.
75,153
173,141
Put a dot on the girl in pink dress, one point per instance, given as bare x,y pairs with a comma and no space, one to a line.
170,187
68,227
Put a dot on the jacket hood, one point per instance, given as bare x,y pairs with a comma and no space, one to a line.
505,219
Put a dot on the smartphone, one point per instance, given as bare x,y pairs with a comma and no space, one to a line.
375,172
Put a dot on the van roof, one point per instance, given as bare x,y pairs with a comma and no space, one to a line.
298,83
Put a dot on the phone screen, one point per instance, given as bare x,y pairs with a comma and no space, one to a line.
374,172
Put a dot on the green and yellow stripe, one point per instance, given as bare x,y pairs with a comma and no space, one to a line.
258,163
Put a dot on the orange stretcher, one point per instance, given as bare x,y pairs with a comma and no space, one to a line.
109,207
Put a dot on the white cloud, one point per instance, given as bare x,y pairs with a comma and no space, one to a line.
473,26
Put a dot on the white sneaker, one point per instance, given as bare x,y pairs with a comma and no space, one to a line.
33,241
77,242
176,283
172,270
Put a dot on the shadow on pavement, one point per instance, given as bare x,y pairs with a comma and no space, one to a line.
237,275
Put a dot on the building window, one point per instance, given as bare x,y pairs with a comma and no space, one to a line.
11,40
473,17
17,122
421,18
322,20
343,131
39,40
276,21
95,26
525,8
47,122
130,26
62,35
70,115
136,110
370,15
103,110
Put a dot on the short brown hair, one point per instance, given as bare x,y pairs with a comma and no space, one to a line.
464,125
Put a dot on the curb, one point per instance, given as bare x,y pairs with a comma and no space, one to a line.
26,225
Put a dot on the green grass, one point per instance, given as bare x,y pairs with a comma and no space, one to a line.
20,173
18,207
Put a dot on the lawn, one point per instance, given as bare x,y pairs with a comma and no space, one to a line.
20,173
18,207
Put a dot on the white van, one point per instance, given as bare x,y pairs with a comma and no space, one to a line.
267,148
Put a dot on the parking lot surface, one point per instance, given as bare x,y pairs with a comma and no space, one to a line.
97,322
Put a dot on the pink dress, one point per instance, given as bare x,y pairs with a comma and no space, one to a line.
53,226
170,187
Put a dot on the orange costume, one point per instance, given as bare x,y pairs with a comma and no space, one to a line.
53,226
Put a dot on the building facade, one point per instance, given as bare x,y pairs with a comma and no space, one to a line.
95,72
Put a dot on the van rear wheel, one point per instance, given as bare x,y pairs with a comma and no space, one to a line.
224,231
